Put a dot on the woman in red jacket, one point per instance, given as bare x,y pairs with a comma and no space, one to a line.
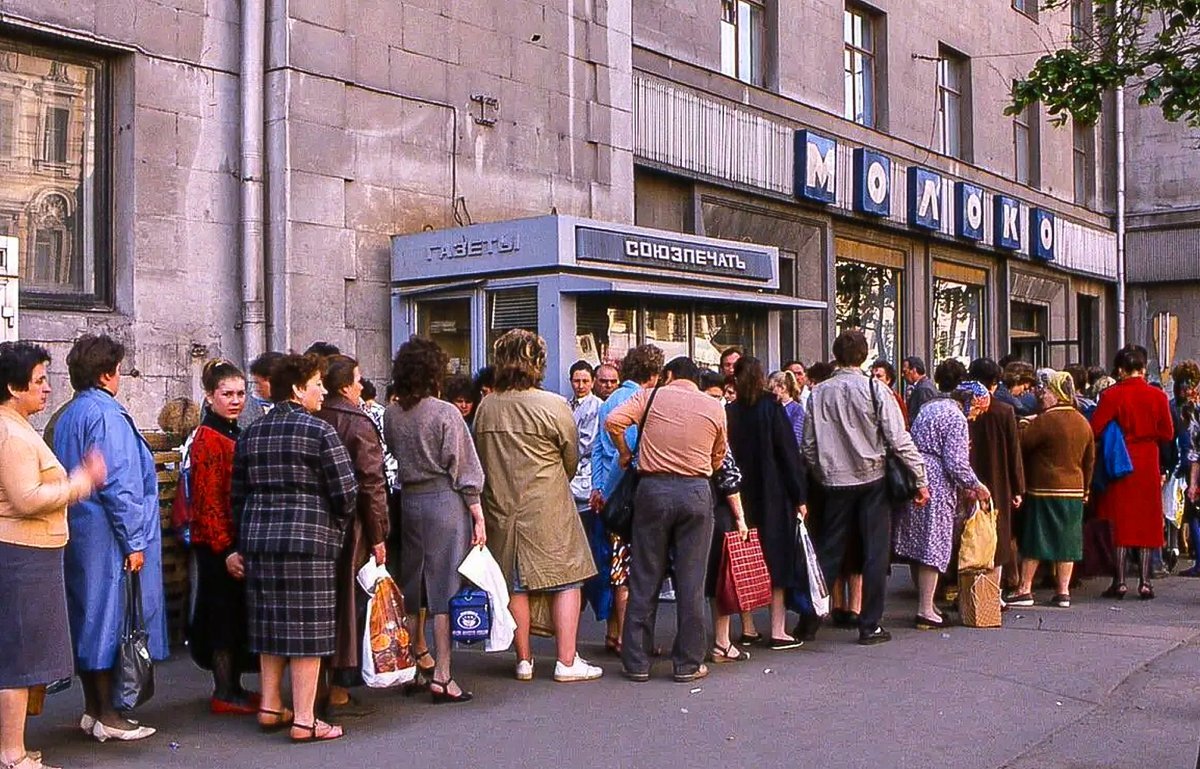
1133,504
217,631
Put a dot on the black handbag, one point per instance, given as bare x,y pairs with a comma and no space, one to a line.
133,672
899,481
617,513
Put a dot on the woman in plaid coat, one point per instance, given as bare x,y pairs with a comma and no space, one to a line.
293,491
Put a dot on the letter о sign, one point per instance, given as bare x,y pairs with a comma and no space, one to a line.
872,182
968,211
1041,235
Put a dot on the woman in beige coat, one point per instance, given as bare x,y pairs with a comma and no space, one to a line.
528,446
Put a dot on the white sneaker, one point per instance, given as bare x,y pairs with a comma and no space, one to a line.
103,733
579,670
525,670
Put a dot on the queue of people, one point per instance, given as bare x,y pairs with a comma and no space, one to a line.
298,482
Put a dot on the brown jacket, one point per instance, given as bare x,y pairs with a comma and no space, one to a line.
367,527
1059,453
34,488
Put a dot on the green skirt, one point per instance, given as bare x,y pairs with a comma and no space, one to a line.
1051,528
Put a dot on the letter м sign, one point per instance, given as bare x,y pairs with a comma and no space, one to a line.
872,182
1007,223
1041,235
816,167
968,211
924,198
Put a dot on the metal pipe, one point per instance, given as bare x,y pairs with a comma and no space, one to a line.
253,322
1120,121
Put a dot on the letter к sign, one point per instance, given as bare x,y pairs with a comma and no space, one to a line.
872,182
968,211
924,198
816,167
1007,223
1041,235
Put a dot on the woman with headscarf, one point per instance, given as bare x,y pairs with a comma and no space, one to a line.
925,534
1058,453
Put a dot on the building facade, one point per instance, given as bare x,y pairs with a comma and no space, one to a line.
202,177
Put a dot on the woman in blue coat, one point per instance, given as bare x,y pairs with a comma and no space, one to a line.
113,534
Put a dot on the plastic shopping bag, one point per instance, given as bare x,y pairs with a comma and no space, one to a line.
743,584
978,545
818,591
1174,494
386,659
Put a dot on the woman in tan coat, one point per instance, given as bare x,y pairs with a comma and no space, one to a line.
528,446
35,643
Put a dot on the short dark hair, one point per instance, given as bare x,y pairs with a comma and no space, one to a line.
91,357
323,349
459,386
819,371
1019,372
418,371
217,371
369,391
916,363
985,371
1095,374
735,350
887,367
710,379
581,365
949,374
292,370
1131,359
17,362
339,373
641,364
1012,357
850,348
750,379
484,377
794,362
265,363
685,368
1078,376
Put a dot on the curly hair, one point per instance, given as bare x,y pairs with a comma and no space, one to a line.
292,370
1186,376
641,364
949,374
459,386
520,360
418,371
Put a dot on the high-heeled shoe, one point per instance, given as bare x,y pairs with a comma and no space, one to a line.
1146,591
423,678
1116,590
445,696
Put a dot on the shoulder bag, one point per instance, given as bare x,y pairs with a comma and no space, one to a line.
617,512
133,673
899,481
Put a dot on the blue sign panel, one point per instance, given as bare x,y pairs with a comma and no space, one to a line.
925,198
1007,223
872,182
968,211
816,167
1041,235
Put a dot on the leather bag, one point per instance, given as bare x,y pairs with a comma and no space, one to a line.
617,512
899,481
133,672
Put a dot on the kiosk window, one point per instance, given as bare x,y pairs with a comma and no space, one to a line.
868,298
718,330
508,309
957,320
668,329
448,322
605,330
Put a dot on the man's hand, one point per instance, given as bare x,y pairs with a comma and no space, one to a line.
922,497
135,561
623,459
1193,493
596,501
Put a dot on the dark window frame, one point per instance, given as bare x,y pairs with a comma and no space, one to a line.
759,31
869,50
1027,8
949,58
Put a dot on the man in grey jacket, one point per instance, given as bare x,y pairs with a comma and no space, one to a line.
847,444
921,390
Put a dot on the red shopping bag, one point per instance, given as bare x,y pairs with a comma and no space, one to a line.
743,584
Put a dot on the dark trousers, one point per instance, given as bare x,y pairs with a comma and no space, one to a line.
865,509
670,513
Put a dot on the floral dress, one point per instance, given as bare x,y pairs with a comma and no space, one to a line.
926,534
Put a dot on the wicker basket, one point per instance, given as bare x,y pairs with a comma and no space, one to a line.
979,598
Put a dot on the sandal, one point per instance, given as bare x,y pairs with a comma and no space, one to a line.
731,653
31,760
1145,592
423,678
1116,590
279,719
331,732
445,696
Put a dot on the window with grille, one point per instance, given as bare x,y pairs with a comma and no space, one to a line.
511,308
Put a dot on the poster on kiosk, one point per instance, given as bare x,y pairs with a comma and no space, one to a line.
8,289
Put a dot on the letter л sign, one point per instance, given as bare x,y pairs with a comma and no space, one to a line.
816,167
872,182
924,198
1041,235
1007,223
968,211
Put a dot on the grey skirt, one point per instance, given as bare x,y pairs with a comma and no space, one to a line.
435,531
35,640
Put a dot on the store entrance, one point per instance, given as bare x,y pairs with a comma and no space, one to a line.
1028,332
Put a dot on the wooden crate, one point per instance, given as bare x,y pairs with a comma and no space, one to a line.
176,583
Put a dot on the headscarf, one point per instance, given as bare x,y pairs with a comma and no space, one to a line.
1061,386
973,397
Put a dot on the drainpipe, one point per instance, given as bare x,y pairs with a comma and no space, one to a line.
1120,120
253,322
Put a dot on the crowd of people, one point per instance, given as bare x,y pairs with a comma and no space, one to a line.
299,474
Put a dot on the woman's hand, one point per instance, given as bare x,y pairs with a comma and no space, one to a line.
479,529
235,564
981,493
380,553
802,512
1017,500
135,561
95,467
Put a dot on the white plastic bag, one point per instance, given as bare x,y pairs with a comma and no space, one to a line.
391,664
1174,493
480,567
818,592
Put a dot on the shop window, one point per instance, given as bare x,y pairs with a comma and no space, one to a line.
448,322
667,328
511,308
605,330
787,317
958,329
716,330
868,298
859,60
1027,334
56,174
743,27
953,103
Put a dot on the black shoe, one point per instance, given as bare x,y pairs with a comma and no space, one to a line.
876,636
806,629
1019,599
636,677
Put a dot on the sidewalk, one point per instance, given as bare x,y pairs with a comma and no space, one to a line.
1103,684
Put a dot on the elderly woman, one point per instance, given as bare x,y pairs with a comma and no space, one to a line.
1133,504
529,448
1058,453
293,490
217,627
366,531
925,534
114,534
34,493
441,515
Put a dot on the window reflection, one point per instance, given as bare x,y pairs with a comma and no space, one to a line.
868,298
957,320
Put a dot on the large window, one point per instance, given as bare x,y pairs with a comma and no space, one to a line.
743,25
953,105
859,63
1026,149
868,298
448,322
1083,153
53,174
510,308
958,329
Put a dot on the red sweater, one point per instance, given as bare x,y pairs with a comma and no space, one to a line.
212,475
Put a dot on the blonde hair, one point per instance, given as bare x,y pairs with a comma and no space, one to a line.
787,380
520,357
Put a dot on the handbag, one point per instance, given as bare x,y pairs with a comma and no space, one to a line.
133,672
617,512
743,584
977,548
899,481
470,615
